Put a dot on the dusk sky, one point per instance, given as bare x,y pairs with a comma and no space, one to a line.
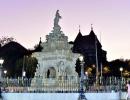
28,20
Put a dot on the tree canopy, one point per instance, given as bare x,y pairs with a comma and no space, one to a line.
28,64
4,40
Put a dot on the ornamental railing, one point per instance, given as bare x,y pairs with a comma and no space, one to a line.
106,84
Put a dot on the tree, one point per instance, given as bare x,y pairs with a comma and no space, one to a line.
28,64
11,52
115,66
5,40
77,67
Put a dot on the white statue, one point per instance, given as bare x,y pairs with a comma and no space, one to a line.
56,20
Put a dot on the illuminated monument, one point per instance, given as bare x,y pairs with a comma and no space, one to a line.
56,62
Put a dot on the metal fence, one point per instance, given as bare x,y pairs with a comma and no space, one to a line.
105,84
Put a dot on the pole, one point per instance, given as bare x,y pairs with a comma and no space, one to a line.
121,80
82,75
120,92
1,63
101,62
101,73
82,96
23,66
96,62
0,91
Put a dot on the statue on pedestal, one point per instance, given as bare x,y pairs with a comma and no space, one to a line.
56,20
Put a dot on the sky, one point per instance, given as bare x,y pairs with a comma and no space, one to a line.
28,20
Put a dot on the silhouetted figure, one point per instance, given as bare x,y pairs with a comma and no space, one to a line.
48,74
0,92
128,90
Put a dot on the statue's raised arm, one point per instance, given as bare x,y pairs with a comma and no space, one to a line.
57,17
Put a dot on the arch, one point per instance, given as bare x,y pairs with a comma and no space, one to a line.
51,72
48,73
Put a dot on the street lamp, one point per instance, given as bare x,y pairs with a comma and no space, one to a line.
24,73
23,77
81,95
120,85
1,63
86,73
5,72
121,70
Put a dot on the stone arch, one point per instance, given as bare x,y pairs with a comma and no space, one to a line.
51,72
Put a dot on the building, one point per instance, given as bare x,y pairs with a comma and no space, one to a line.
91,48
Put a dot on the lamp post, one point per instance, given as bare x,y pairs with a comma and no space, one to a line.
5,78
23,77
24,73
121,69
1,63
86,74
5,72
86,80
81,95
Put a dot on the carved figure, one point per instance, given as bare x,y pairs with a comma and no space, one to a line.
56,20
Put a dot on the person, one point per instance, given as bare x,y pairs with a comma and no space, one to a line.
0,91
128,90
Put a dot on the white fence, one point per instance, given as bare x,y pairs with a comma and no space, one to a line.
107,84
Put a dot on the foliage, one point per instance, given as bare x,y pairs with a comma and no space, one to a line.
11,52
77,67
28,64
116,64
111,68
5,40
